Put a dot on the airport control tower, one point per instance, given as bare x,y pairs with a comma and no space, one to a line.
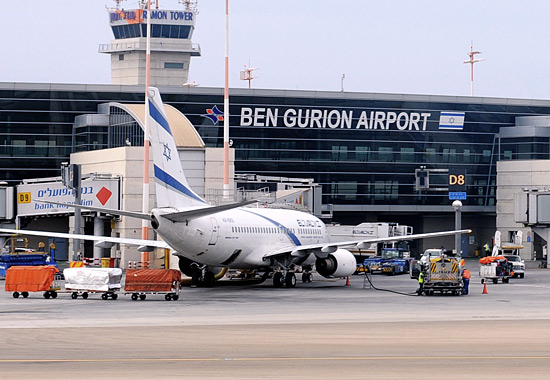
171,47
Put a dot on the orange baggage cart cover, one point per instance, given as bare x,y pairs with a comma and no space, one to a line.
152,280
491,259
30,278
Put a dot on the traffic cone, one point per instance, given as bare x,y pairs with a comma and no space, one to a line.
484,288
347,282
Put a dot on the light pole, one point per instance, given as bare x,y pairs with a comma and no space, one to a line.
457,206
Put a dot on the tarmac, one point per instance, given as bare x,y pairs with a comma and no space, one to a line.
321,330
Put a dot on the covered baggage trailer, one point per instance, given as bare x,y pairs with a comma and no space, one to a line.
140,282
495,268
82,281
22,280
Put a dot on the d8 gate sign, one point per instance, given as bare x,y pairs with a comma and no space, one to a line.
457,180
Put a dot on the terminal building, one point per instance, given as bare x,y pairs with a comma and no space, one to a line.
365,150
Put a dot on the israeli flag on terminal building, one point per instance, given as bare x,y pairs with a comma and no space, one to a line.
451,120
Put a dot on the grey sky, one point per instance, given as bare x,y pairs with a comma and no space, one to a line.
398,46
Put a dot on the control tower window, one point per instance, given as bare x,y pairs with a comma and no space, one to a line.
167,31
173,65
157,31
126,31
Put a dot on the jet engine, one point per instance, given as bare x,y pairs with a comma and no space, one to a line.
341,263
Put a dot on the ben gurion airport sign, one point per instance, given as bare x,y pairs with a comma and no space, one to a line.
347,119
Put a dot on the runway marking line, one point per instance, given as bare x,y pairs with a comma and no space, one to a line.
251,359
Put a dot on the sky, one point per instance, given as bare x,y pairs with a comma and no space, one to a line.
392,46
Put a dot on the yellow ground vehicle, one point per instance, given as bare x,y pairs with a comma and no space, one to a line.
443,274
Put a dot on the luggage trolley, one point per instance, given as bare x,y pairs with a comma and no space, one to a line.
21,280
140,282
495,268
83,281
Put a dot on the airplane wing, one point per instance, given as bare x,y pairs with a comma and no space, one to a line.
178,216
324,249
104,210
182,216
100,240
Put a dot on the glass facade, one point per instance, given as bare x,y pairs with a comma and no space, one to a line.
362,148
36,124
157,31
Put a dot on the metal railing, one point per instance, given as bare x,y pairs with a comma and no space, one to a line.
157,46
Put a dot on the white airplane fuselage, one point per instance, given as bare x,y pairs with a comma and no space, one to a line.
240,238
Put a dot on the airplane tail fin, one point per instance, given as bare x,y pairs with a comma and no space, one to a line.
172,188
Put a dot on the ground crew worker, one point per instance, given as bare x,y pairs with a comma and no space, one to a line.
41,246
466,275
420,282
487,250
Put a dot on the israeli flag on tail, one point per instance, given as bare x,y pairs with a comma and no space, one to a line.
172,188
451,120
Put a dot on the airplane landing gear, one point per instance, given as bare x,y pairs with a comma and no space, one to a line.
208,279
203,278
290,280
280,280
285,275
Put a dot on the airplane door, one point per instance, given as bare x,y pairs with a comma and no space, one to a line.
215,231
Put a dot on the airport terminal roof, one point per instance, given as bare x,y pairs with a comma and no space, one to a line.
185,134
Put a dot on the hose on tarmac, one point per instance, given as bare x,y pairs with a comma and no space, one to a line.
367,276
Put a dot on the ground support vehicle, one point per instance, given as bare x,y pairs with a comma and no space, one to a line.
367,230
140,282
443,274
495,268
395,266
13,255
396,261
391,261
373,264
83,281
22,280
428,254
518,265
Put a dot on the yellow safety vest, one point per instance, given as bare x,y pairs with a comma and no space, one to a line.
421,278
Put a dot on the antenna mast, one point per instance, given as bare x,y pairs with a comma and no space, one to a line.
471,61
246,74
145,3
190,5
118,2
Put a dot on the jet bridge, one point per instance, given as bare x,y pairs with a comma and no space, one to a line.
532,209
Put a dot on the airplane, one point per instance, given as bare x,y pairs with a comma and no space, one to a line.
277,242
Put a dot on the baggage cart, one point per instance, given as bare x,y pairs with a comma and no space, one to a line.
22,280
140,282
495,268
83,281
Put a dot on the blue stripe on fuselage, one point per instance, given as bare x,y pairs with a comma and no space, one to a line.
166,178
157,116
293,237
